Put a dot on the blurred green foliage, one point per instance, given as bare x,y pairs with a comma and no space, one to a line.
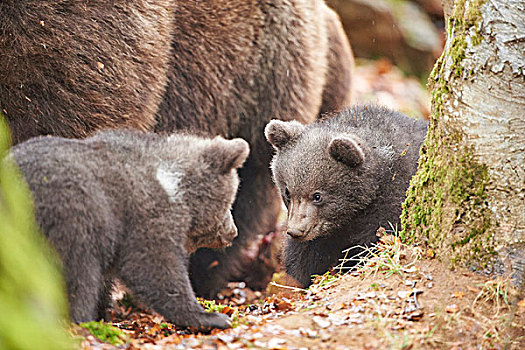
32,299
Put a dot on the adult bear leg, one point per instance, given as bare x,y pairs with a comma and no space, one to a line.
337,90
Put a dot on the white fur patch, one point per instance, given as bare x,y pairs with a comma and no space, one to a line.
169,178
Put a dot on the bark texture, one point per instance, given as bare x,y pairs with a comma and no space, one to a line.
467,200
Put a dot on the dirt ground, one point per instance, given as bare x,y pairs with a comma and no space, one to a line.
400,298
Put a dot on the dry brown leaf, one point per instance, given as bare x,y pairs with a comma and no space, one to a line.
213,264
472,289
284,305
321,322
452,308
521,306
458,295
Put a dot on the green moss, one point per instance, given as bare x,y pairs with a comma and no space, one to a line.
467,12
466,15
445,206
446,202
105,332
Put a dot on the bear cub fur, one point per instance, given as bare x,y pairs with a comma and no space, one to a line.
341,178
134,206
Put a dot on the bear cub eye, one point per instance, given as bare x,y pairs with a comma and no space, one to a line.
317,198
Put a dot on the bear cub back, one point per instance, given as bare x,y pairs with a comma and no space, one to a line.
134,206
341,178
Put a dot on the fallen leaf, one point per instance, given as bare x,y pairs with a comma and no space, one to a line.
284,305
310,333
458,295
191,342
276,343
430,254
321,322
410,269
415,316
226,338
428,277
453,308
383,66
369,295
228,311
320,313
213,264
521,306
403,294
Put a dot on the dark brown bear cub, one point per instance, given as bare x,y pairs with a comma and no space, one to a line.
134,206
341,178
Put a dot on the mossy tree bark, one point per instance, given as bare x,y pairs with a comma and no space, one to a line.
467,200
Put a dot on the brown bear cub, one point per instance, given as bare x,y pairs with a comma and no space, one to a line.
341,178
134,206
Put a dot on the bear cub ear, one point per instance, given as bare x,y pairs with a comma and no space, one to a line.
225,155
280,133
346,150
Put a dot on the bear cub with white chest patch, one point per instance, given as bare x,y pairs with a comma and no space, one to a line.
341,178
134,206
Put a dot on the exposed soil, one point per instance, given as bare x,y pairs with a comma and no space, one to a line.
399,299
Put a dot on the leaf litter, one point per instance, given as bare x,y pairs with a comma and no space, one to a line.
366,308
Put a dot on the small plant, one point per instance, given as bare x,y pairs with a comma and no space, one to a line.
385,256
105,332
320,281
211,306
495,291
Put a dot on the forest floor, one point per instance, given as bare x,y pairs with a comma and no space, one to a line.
400,297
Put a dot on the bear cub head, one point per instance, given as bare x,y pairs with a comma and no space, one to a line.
210,177
325,176
131,205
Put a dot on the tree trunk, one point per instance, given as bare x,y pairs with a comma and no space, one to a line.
467,200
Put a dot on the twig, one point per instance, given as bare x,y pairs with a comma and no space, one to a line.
415,299
288,287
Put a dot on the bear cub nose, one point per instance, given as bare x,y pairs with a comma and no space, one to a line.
295,233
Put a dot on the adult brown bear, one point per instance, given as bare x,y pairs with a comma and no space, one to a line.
223,67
